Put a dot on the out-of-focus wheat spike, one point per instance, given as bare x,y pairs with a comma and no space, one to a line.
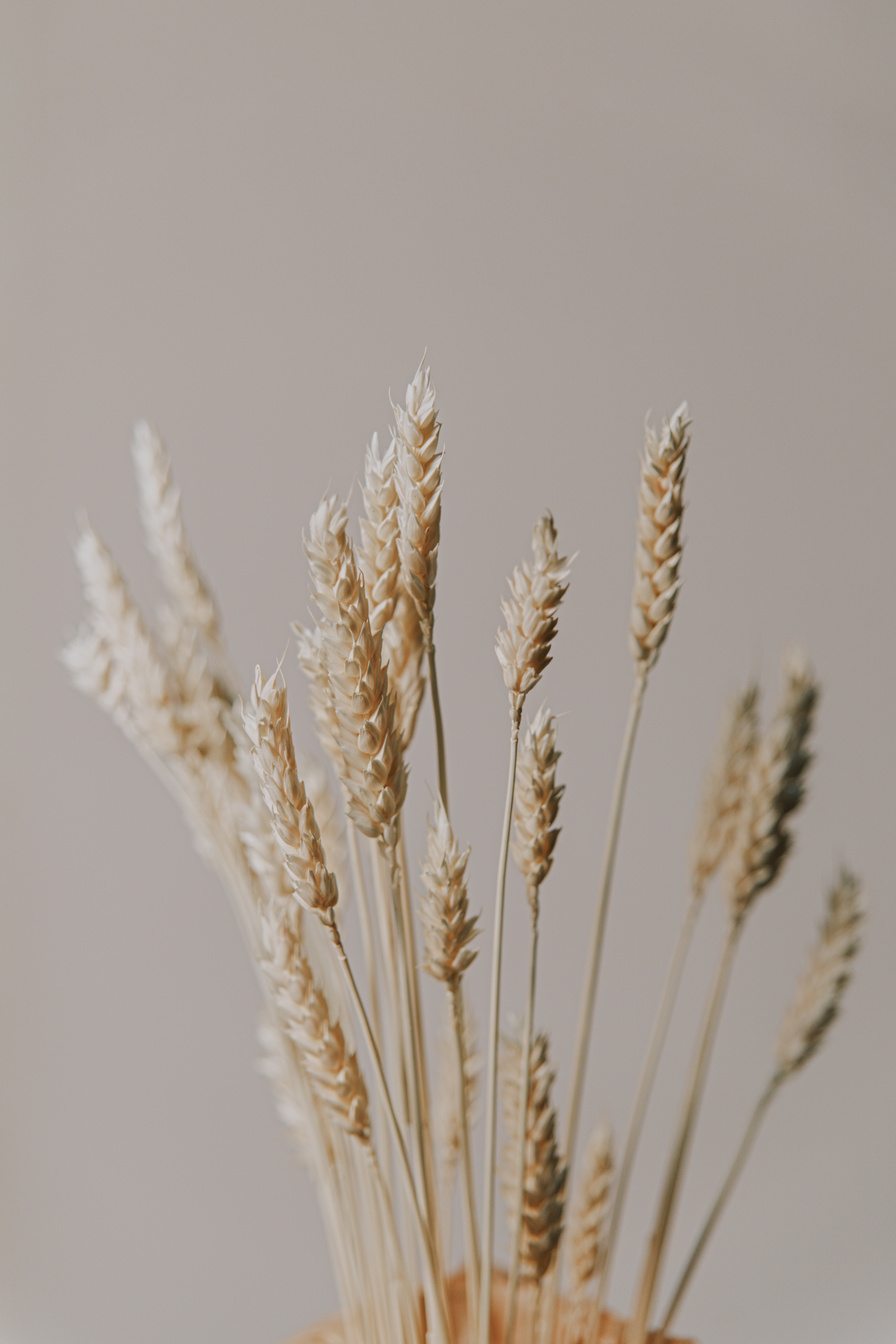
116,656
530,614
775,787
320,698
544,1185
724,788
372,766
267,723
448,927
419,481
378,554
823,982
659,544
275,1066
331,1067
166,535
536,801
588,1217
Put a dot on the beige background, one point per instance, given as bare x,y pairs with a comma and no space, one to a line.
247,221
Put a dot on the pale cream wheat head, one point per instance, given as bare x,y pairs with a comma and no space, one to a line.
659,543
419,478
536,801
373,770
530,614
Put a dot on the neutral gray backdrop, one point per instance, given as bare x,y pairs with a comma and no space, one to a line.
247,222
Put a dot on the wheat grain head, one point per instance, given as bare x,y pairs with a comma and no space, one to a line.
659,544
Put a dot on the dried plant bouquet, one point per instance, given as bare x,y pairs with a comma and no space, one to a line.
383,1120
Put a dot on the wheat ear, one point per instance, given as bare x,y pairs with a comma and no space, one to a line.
372,768
544,1186
449,931
166,537
523,650
659,545
419,478
587,1233
724,789
723,797
816,1004
537,802
775,788
378,553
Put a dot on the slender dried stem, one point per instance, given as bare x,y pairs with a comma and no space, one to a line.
440,731
411,1013
645,1085
589,995
687,1119
517,1226
728,1184
491,1094
435,1285
473,1266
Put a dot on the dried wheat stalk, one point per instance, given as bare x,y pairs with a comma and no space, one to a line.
775,787
448,933
724,792
537,802
658,552
815,1005
523,649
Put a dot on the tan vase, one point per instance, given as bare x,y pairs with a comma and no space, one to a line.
612,1329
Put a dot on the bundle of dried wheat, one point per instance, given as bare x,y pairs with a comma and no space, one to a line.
288,836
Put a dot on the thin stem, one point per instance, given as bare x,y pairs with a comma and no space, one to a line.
586,1013
488,1202
412,1019
645,1085
435,1285
687,1119
367,940
737,1165
413,962
440,731
513,1283
471,1234
392,987
589,991
399,1271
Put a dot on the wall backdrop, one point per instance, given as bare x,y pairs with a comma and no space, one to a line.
247,222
